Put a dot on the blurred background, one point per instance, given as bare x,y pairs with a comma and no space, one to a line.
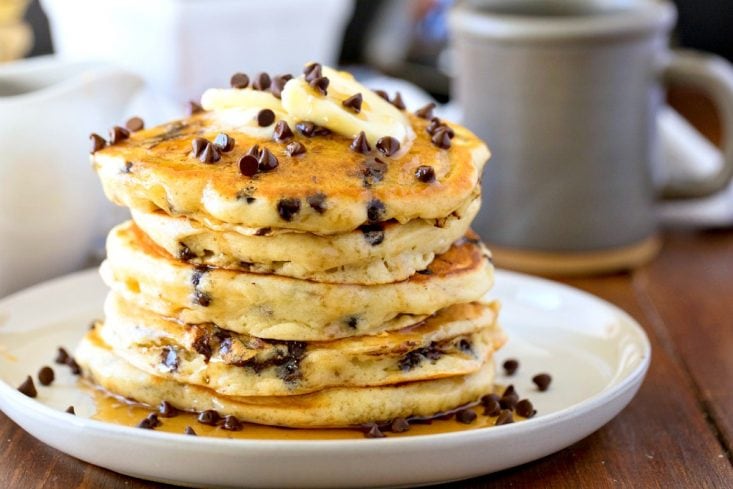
166,52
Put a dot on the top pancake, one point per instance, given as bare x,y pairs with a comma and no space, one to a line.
155,169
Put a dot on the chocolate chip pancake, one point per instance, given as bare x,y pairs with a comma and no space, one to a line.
328,189
328,408
382,253
455,341
283,308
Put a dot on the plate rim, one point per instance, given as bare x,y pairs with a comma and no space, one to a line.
10,394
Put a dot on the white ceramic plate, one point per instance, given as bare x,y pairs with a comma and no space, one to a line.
597,354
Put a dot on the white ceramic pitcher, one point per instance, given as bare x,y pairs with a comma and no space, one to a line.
51,205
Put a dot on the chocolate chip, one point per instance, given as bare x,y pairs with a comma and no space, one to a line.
320,84
374,431
505,417
62,356
265,117
185,253
490,397
414,358
97,142
295,148
491,407
373,171
466,416
465,346
189,431
373,233
201,298
231,423
248,165
312,71
433,126
510,366
317,202
209,154
400,425
167,410
441,139
397,101
128,167
70,410
425,173
46,376
542,381
208,417
352,322
169,358
525,409
425,112
73,366
224,142
239,80
28,388
375,210
509,390
278,83
202,346
266,160
353,102
306,128
360,144
388,145
262,81
150,422
288,208
117,134
194,107
135,124
198,145
263,231
282,132
508,401
382,94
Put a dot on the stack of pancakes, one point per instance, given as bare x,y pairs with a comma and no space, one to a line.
334,290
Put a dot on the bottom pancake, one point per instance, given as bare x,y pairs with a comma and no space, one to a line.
328,408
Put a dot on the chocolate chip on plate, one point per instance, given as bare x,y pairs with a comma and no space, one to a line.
388,145
265,117
231,423
542,381
46,375
150,422
360,144
62,356
224,142
399,425
239,80
491,407
262,81
75,368
28,388
510,366
135,124
525,408
194,107
189,431
295,148
425,173
248,165
353,103
70,410
282,132
505,417
425,112
466,416
208,417
374,431
167,410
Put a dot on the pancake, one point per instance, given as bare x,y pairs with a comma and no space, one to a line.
455,341
332,408
283,308
155,170
389,254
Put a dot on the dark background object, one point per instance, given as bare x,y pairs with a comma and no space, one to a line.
706,25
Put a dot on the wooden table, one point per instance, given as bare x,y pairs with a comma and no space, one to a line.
676,433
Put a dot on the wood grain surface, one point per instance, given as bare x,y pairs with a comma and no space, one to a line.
676,433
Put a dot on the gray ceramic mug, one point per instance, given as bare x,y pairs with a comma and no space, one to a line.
566,95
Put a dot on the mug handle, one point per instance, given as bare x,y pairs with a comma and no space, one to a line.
714,76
